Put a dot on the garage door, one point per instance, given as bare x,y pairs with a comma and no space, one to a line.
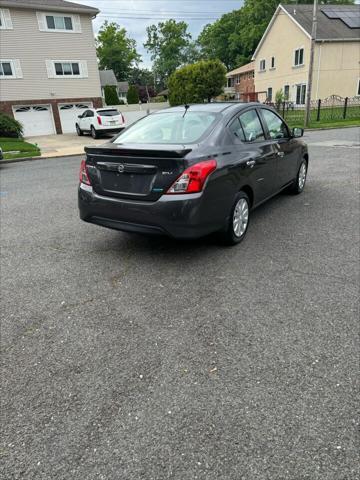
36,119
69,113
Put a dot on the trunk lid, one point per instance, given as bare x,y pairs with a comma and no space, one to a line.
140,172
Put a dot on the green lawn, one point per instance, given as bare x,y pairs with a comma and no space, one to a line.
18,148
329,117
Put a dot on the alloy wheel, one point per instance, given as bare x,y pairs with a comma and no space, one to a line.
241,217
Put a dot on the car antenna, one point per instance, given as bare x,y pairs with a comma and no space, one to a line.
186,106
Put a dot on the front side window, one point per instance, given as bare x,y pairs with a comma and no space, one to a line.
67,68
169,128
299,57
6,69
55,22
251,126
276,127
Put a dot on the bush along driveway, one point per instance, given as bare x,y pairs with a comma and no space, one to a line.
17,148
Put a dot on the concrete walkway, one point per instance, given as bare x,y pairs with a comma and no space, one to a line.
64,145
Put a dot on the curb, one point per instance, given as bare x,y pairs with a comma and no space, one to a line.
29,159
330,128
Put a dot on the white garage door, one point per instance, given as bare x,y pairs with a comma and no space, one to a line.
36,119
69,113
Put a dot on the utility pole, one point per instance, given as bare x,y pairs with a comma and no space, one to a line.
311,65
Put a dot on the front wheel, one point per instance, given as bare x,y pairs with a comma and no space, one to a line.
238,220
94,133
299,183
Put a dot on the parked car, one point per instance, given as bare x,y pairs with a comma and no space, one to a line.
99,121
190,171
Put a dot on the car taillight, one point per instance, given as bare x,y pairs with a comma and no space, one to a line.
122,118
192,180
83,175
99,120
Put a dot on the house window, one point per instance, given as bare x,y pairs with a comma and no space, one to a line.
286,92
272,62
67,68
358,89
6,69
300,94
269,94
262,66
298,57
55,22
5,19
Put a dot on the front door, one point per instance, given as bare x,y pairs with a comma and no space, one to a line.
284,148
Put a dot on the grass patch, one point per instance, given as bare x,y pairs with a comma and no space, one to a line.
18,148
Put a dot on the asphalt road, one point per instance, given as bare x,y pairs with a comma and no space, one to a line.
129,358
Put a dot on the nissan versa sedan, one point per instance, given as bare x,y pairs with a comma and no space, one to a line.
192,170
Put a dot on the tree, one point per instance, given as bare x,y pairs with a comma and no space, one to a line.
197,82
116,51
141,76
132,95
111,96
167,42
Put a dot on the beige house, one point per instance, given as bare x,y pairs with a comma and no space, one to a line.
282,56
48,66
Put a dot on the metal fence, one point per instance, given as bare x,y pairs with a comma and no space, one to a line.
330,109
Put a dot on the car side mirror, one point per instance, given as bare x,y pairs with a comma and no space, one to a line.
80,116
297,132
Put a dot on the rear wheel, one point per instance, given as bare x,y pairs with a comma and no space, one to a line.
79,131
238,220
93,133
299,183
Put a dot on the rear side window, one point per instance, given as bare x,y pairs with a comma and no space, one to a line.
251,125
108,113
237,130
170,127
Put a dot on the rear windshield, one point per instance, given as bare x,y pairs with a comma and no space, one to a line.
108,113
170,127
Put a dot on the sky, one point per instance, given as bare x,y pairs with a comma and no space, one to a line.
136,15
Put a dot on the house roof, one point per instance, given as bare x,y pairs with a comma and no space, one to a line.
243,69
107,77
123,87
50,5
328,29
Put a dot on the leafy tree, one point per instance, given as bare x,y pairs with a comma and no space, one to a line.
132,95
116,51
111,96
140,76
197,82
167,42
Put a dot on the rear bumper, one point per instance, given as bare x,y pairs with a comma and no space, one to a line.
104,129
175,216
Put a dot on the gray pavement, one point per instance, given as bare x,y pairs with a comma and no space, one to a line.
128,357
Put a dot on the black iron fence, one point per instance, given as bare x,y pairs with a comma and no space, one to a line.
328,110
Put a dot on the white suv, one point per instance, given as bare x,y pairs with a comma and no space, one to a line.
97,121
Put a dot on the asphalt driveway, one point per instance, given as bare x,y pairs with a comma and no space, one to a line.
129,357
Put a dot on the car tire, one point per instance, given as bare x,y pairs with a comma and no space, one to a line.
93,133
79,131
299,183
238,221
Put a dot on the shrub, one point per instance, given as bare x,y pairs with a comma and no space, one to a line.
9,127
158,99
132,95
279,98
111,96
197,82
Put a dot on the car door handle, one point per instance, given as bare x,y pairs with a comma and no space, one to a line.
280,154
250,163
